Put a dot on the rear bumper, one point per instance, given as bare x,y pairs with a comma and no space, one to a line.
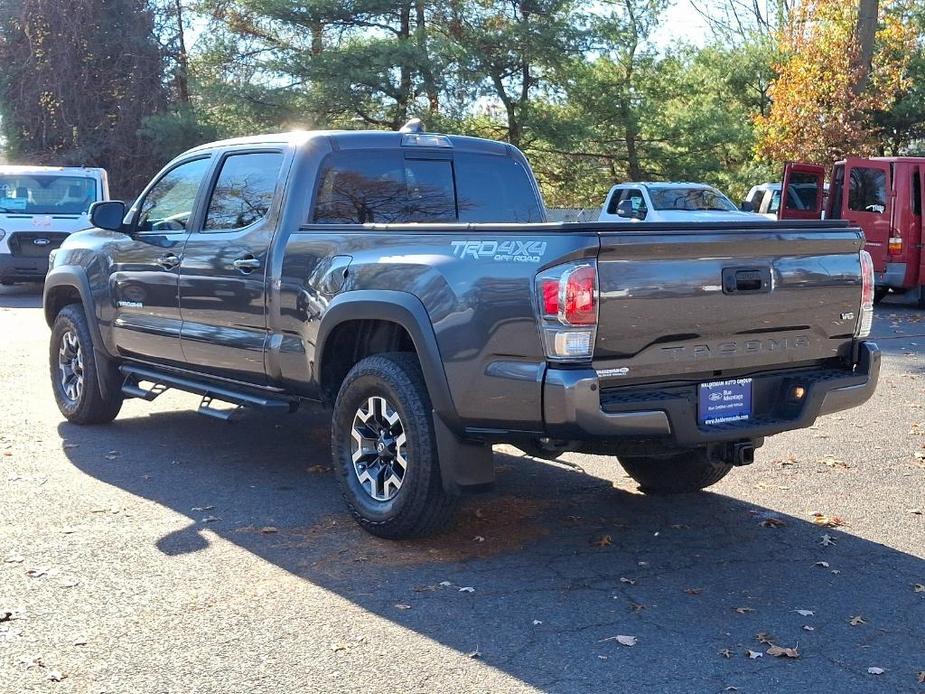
575,406
15,268
893,277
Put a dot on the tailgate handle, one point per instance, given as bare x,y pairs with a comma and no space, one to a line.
746,280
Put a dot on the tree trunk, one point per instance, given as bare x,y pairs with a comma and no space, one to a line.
317,30
404,87
427,73
865,33
181,76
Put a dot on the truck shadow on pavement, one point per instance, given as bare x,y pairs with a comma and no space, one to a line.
558,561
21,296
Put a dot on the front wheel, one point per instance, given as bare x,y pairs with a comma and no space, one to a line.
385,451
76,373
688,471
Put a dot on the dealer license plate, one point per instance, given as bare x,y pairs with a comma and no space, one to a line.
725,401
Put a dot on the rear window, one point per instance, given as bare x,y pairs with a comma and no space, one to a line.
383,186
802,191
690,199
867,190
46,194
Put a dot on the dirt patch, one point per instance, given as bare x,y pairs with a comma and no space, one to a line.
482,529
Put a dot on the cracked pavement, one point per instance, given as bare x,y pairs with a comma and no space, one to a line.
176,553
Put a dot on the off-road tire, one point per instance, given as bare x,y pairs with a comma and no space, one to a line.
688,471
420,507
89,407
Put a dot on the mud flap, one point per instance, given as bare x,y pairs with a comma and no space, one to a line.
464,466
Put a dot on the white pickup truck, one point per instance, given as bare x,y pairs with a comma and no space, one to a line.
39,207
671,202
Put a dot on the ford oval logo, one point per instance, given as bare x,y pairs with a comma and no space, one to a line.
715,397
41,242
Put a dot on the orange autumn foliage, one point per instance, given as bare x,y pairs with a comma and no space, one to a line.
816,113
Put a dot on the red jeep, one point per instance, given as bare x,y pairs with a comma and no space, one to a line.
883,196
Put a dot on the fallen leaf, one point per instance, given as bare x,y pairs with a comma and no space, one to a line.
36,572
823,564
726,653
200,509
603,541
765,638
637,607
753,654
833,462
807,627
14,559
445,584
537,622
693,591
34,661
478,538
467,589
210,519
629,581
402,606
474,654
80,641
875,671
781,652
744,610
772,523
56,676
112,455
856,620
643,564
921,677
269,529
918,587
622,639
828,521
805,613
827,540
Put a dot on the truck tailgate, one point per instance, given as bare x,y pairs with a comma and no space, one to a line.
705,301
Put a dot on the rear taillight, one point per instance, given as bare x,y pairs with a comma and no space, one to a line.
567,300
866,317
895,245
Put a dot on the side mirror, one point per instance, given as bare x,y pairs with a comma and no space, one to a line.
107,214
747,206
625,209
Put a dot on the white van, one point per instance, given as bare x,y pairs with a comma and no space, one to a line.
39,207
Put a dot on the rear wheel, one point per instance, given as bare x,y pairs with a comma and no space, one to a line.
385,451
76,374
688,471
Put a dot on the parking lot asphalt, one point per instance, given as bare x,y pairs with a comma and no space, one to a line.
170,552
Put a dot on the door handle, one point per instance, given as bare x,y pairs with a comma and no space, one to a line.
247,264
168,262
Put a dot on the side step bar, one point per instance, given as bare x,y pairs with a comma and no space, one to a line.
210,392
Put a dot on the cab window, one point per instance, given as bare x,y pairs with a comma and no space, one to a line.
867,190
243,191
634,195
168,205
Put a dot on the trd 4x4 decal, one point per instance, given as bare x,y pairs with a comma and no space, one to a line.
512,251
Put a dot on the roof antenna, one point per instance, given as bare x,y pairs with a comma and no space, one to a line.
412,126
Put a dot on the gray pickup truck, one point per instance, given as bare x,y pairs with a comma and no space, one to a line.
409,281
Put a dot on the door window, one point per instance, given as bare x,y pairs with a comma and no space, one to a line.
243,191
802,191
836,192
168,205
867,190
634,195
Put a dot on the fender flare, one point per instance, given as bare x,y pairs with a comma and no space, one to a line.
75,277
407,311
464,465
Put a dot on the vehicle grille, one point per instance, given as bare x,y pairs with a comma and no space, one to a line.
23,243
